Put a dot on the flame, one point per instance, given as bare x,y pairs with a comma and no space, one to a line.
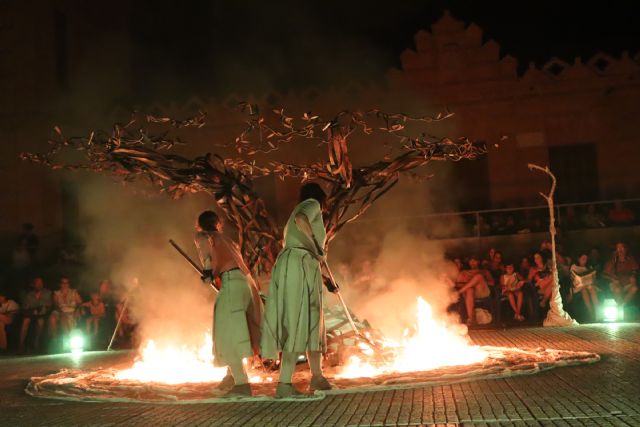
174,365
431,346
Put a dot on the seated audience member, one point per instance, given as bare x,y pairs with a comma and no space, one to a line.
511,284
496,268
583,279
545,252
621,272
620,215
595,259
35,307
525,266
541,276
592,218
66,302
473,283
486,263
8,310
529,290
96,314
450,272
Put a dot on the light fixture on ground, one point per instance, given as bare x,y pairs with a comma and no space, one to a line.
76,342
611,312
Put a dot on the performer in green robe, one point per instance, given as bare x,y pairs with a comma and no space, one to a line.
238,308
293,321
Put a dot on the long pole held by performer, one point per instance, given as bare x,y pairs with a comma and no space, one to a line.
124,309
191,262
324,264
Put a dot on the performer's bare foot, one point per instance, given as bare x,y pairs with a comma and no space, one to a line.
226,383
240,390
287,390
319,382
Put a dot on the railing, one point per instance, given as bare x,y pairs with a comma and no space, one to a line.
530,219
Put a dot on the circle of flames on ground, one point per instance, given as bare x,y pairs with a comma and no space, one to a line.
432,353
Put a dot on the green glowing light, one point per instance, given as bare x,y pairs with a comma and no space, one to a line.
76,343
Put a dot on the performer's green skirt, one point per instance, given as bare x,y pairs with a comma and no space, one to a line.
293,320
231,335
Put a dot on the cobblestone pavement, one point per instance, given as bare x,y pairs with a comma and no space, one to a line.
603,394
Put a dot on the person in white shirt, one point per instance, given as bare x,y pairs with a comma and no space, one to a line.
66,302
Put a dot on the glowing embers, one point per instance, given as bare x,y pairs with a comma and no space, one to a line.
431,345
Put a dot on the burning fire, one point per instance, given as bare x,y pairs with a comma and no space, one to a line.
173,365
431,346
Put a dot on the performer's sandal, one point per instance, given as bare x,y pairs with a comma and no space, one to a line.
319,382
239,390
287,390
226,383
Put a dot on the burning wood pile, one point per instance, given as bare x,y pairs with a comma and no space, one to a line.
343,342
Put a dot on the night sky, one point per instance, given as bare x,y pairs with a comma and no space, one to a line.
250,46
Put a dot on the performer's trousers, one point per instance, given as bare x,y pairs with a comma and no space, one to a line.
289,360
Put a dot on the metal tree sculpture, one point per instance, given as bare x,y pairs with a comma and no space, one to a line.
131,152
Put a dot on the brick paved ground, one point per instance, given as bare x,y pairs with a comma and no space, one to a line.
603,394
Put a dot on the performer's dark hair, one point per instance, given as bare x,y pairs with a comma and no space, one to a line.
208,220
312,190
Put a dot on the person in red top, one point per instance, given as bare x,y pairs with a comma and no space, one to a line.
621,272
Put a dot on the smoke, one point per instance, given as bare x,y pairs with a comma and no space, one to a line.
126,231
386,260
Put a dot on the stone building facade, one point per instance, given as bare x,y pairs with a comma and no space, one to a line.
581,118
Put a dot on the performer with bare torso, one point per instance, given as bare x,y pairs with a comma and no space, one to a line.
238,308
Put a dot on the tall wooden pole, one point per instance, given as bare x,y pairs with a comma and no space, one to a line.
556,315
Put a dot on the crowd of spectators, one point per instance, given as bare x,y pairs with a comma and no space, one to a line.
36,317
510,288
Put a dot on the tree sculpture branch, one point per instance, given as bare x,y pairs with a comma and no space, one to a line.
131,152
